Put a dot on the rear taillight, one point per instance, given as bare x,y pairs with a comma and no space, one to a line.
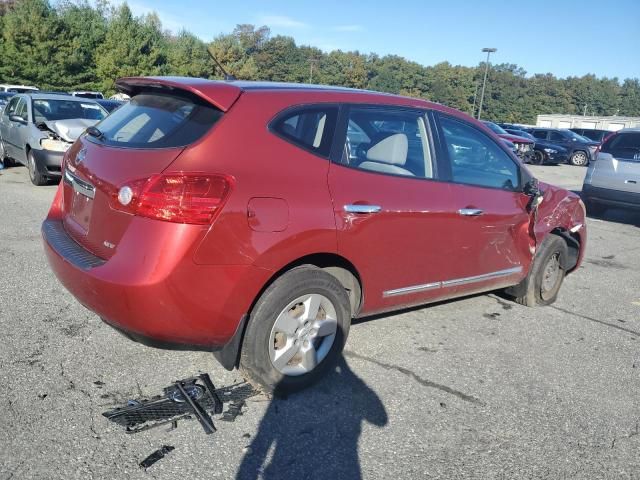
194,198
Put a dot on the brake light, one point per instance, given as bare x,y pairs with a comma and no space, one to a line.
193,198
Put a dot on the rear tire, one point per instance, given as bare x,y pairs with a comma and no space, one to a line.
545,278
34,174
296,331
579,159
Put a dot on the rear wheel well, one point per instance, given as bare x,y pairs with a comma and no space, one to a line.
337,266
342,269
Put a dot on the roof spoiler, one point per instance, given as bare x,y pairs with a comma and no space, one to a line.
221,94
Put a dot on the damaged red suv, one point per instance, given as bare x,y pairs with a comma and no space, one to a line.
256,220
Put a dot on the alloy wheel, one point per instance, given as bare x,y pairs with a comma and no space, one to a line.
579,159
303,334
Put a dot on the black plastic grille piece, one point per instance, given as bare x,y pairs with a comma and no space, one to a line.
143,414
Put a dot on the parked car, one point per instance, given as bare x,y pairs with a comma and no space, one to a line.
544,152
580,149
524,146
87,94
257,219
6,87
593,133
4,99
613,180
36,129
109,105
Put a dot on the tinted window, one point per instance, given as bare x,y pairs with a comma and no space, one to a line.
557,136
309,127
388,141
495,128
158,120
51,109
542,134
623,145
476,159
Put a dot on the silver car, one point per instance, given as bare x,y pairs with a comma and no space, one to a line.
37,128
613,180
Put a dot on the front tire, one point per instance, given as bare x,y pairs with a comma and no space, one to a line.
34,174
579,159
4,159
547,272
538,158
296,331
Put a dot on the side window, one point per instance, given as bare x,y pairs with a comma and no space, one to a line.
388,140
11,106
21,110
476,159
541,134
309,127
556,137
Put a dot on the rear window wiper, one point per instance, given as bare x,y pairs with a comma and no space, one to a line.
95,132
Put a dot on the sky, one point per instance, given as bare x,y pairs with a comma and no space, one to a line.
562,37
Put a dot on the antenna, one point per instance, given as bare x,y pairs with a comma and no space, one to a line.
227,77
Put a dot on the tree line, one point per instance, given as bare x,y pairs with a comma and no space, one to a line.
81,45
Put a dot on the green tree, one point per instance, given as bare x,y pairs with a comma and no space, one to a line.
132,47
187,56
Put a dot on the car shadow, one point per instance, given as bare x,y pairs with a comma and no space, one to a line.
314,433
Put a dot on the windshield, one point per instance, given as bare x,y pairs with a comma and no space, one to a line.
495,128
50,110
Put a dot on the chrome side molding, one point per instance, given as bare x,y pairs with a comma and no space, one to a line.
451,283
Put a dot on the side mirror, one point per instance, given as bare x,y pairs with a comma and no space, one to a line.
17,118
531,188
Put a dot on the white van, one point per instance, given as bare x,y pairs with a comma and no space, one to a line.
17,88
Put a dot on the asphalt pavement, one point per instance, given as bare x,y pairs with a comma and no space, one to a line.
473,388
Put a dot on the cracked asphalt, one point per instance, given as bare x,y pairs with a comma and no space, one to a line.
473,388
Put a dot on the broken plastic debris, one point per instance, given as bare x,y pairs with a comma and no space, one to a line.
155,456
191,398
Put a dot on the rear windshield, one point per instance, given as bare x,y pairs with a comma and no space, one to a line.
623,145
158,120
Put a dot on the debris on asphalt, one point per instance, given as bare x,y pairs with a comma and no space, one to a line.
235,409
155,456
194,397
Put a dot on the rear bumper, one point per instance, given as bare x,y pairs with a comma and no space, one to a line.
48,162
165,303
614,198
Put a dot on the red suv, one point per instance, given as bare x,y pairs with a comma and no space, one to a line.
256,220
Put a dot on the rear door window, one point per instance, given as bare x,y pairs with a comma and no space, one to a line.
388,140
309,127
557,137
541,134
158,120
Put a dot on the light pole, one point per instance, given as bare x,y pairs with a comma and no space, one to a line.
484,82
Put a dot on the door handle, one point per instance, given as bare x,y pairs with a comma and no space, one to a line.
470,212
362,208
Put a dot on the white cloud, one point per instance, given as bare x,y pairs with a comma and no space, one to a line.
348,28
280,21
